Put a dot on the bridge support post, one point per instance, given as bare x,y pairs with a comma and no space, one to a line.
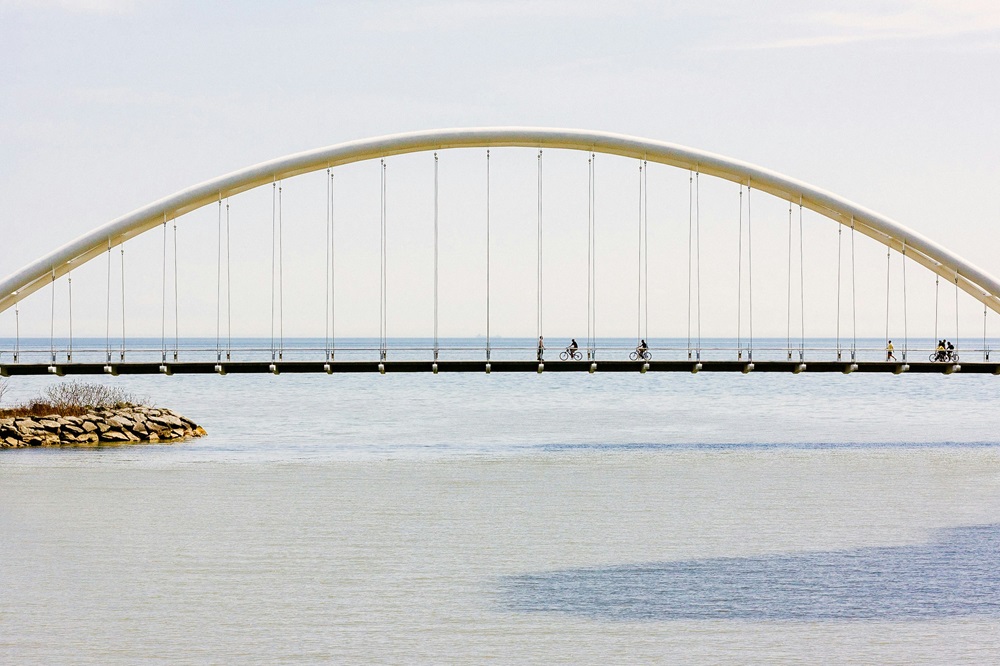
696,368
952,368
273,368
593,367
56,370
747,368
850,367
381,368
901,368
799,367
220,369
166,370
488,367
541,367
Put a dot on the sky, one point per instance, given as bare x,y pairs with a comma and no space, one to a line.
106,105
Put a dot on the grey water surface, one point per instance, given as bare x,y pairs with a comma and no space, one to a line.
554,518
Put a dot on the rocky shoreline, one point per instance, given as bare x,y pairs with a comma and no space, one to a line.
127,424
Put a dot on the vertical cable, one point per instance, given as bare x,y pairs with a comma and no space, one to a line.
122,248
888,267
590,250
749,274
854,299
107,320
229,292
638,267
690,248
539,243
333,267
697,245
956,310
937,294
487,255
739,283
52,319
840,234
69,282
17,330
906,332
382,275
802,290
788,305
218,286
274,226
436,348
645,247
176,295
986,348
593,253
163,296
281,279
326,301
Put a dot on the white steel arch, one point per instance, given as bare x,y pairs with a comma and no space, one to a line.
978,283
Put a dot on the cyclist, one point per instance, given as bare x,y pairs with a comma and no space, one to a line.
572,347
641,349
951,351
940,350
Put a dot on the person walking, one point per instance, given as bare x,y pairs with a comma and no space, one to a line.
541,348
889,356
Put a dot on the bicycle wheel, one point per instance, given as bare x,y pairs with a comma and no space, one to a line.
563,356
634,356
647,356
933,357
578,356
954,358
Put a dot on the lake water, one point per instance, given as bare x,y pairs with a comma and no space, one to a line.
555,518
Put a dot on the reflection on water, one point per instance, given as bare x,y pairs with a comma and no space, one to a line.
954,575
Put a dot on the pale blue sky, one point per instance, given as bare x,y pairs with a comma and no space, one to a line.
106,105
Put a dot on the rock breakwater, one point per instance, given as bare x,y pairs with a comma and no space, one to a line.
127,424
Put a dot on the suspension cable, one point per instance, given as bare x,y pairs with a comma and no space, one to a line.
17,330
956,311
854,300
274,227
840,263
218,286
739,283
802,290
590,246
645,247
592,206
326,302
690,255
107,320
229,292
176,295
937,294
382,278
888,270
750,272
122,248
281,279
52,318
163,296
539,242
436,243
638,306
986,348
788,304
488,350
906,333
333,268
69,282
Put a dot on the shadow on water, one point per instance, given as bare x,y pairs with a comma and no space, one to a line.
955,575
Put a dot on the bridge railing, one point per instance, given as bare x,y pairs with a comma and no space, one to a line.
36,351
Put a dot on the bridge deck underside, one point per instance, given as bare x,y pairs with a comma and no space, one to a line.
339,367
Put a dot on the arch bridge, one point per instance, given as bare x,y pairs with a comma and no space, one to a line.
970,279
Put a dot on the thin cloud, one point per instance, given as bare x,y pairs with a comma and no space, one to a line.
906,20
99,7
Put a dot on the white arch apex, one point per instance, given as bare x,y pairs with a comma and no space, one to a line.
973,280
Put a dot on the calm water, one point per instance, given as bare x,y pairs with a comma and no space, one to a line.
523,518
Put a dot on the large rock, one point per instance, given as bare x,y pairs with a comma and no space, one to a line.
114,436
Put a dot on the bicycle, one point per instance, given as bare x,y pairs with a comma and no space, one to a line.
943,357
571,354
645,355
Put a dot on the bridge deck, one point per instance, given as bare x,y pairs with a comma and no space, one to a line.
337,367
